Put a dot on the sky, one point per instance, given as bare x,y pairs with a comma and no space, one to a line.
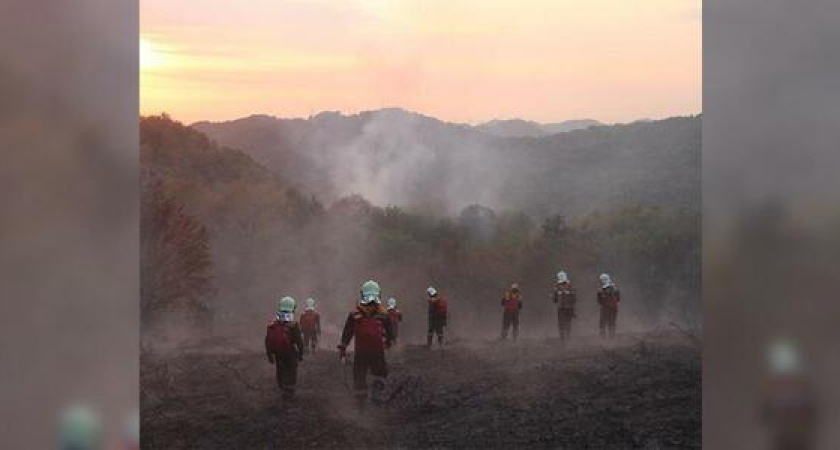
458,60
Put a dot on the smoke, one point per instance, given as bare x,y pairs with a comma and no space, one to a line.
395,157
387,164
413,161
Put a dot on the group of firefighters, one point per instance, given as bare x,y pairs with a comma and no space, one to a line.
375,329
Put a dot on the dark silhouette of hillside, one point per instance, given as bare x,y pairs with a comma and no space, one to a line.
398,157
527,128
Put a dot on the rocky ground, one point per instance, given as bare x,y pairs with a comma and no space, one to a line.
641,391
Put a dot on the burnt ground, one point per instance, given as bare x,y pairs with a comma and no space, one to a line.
642,391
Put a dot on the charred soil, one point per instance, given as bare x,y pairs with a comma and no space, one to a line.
640,391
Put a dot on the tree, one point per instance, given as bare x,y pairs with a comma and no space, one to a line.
175,262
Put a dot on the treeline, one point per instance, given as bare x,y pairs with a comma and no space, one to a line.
264,239
393,156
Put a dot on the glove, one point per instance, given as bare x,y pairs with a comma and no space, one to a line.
342,351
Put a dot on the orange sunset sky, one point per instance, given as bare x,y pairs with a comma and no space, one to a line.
457,60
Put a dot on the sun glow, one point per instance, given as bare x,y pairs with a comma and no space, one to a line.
543,60
150,57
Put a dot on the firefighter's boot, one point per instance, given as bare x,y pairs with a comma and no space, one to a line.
377,391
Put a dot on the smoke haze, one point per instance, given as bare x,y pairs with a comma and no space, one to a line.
394,157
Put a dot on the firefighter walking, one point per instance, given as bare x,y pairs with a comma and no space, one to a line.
565,297
438,310
511,304
395,315
370,326
310,325
789,406
608,299
284,346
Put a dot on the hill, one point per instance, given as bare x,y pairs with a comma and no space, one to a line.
243,206
270,235
402,158
512,128
208,385
526,128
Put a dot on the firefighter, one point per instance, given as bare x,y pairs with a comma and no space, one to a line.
438,310
396,317
789,404
310,325
370,325
284,346
608,299
565,298
512,304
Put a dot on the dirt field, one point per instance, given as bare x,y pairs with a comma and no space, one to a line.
643,391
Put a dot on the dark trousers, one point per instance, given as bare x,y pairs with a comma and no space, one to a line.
606,321
285,365
564,322
310,339
364,363
436,325
510,319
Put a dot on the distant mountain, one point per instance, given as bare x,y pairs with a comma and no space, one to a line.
526,128
330,154
403,158
570,125
512,128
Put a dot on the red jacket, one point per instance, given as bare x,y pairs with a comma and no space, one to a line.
283,338
371,327
565,296
310,322
438,307
609,297
512,301
396,317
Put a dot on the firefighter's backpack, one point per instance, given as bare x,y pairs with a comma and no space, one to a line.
279,338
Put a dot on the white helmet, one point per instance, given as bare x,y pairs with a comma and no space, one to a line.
431,291
310,304
371,293
286,304
783,358
392,303
286,309
562,277
605,280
